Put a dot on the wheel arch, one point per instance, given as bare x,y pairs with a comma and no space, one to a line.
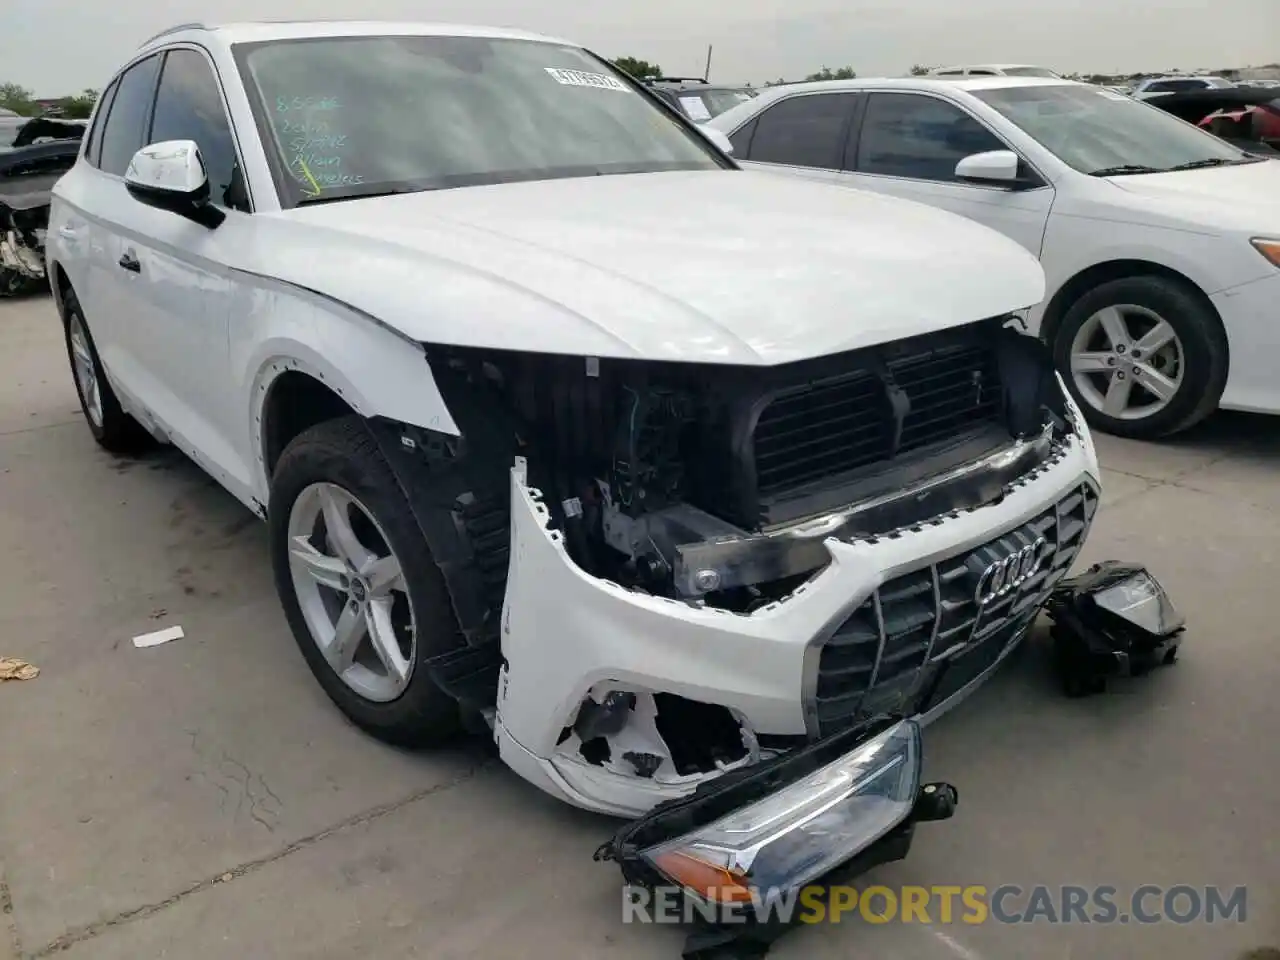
1097,274
305,359
293,401
295,388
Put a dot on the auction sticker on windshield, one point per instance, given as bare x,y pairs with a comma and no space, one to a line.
582,78
695,108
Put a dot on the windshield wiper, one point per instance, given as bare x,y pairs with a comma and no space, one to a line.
334,198
1123,169
1210,162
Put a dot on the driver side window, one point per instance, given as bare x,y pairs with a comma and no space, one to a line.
189,107
920,137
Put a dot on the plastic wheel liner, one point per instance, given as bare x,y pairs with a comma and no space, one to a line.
830,810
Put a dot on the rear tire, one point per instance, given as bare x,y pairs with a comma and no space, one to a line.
335,472
1130,391
115,430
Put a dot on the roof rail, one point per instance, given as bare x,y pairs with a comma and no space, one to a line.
165,33
681,79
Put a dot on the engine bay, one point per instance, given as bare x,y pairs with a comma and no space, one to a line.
717,485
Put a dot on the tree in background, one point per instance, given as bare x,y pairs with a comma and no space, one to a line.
78,107
775,83
640,69
920,70
826,73
18,99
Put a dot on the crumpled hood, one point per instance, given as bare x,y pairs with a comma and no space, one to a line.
708,266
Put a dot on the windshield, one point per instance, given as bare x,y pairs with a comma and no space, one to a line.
1092,130
357,116
1029,72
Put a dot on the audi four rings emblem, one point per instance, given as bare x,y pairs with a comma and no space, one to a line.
1004,576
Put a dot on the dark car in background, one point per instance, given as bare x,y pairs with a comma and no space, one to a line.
699,99
34,153
1246,117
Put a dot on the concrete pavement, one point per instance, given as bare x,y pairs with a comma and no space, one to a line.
203,799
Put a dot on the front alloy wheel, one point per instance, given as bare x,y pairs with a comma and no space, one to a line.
1127,362
1143,356
365,600
352,593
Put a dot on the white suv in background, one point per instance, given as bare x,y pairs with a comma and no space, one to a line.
994,70
1160,242
563,425
1154,86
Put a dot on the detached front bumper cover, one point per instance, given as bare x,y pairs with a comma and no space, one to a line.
746,838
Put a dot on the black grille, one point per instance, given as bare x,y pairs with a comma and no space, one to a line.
842,424
926,626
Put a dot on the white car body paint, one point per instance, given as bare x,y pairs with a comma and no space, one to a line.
1196,222
719,267
557,276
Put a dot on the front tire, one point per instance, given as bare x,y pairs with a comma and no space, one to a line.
363,596
1143,357
115,431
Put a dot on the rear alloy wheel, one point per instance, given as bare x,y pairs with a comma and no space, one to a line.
365,600
1142,356
114,429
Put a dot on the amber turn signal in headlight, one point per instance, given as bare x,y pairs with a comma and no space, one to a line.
1268,248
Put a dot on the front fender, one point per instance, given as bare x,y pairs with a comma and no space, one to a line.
376,371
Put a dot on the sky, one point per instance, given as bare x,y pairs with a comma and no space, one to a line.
58,47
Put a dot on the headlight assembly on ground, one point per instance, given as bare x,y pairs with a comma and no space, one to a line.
800,833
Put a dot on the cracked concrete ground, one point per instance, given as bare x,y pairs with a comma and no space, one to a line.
202,799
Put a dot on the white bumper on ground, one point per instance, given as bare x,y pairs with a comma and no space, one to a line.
565,633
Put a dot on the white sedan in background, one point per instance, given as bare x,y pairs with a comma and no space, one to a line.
1160,242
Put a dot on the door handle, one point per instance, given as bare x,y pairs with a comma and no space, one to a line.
67,233
129,262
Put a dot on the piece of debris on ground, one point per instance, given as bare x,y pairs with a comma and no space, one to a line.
158,637
11,669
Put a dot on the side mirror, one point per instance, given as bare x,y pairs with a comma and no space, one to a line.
719,138
171,176
998,167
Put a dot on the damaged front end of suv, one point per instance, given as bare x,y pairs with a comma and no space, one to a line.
694,572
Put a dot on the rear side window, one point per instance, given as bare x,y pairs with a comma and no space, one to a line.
123,134
93,139
189,107
909,135
803,131
741,140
